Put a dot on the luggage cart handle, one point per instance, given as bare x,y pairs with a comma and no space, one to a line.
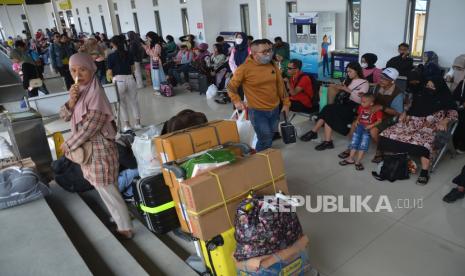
245,148
179,172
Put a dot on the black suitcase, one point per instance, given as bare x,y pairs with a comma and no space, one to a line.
198,82
288,132
155,204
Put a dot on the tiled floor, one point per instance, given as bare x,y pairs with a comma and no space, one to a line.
426,241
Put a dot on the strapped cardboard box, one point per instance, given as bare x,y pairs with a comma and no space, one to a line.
181,144
211,199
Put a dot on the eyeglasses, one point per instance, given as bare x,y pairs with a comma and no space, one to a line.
291,68
267,51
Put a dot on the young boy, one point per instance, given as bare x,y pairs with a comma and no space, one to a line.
366,120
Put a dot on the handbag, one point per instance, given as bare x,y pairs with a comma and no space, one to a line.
394,167
288,131
155,64
82,155
342,98
35,83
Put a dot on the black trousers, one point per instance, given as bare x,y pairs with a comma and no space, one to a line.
66,74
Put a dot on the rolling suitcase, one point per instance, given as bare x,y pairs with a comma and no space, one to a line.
218,253
155,204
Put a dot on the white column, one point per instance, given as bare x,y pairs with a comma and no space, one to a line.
57,16
261,19
112,15
9,21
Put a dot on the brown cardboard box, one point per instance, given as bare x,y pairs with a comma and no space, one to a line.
24,163
181,144
211,199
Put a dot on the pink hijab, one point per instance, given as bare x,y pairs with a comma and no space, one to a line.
92,97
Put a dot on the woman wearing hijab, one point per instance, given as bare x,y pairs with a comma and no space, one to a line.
201,60
91,117
432,109
457,72
153,49
240,51
431,67
371,73
136,51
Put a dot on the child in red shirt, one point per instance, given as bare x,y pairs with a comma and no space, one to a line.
367,119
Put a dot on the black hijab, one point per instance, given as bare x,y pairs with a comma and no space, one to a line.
428,101
371,59
414,75
242,50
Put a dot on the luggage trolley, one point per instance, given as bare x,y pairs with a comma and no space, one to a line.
198,262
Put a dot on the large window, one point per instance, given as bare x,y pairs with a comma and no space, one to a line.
91,25
290,7
136,22
80,24
245,20
158,22
133,4
417,15
103,24
353,24
185,21
118,23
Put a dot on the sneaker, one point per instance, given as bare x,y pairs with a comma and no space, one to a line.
309,136
157,93
325,145
137,126
459,151
453,195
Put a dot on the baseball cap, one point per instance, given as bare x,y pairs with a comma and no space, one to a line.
390,73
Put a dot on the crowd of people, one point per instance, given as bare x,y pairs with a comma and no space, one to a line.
371,104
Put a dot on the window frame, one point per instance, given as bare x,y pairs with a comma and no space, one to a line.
185,21
288,10
156,14
410,27
245,22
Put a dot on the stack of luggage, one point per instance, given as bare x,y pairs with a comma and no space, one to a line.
211,176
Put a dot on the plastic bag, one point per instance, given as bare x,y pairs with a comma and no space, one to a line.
214,157
244,126
211,91
146,153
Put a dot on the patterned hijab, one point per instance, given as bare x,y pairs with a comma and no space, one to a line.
91,97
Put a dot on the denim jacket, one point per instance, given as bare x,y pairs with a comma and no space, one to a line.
58,52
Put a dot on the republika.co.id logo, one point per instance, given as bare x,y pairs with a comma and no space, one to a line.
340,203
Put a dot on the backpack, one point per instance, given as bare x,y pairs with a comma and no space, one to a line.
18,186
69,176
184,119
315,86
394,167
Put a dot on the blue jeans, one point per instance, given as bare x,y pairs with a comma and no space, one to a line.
360,139
264,123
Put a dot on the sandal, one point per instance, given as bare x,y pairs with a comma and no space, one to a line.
359,167
345,163
344,154
422,180
377,159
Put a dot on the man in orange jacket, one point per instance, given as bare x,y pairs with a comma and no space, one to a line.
264,90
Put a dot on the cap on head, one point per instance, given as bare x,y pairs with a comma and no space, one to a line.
390,74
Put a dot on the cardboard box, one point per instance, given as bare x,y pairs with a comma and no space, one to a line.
24,163
288,255
211,199
181,144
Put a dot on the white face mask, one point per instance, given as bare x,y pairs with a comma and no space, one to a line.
239,41
364,65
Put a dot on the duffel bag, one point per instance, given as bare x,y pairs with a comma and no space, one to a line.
263,229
